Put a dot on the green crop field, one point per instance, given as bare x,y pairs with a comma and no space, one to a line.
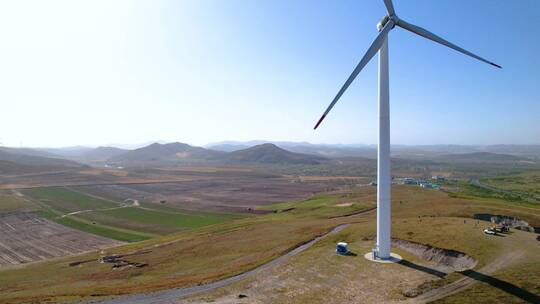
176,219
209,253
83,225
105,217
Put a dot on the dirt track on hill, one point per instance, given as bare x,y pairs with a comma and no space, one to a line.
166,296
466,282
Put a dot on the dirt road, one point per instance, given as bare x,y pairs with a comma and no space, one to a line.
173,294
466,282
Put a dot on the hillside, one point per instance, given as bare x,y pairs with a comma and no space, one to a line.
30,152
272,154
18,163
167,153
101,154
481,157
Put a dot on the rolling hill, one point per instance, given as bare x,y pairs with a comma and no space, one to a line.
178,153
480,157
15,162
101,154
272,154
166,154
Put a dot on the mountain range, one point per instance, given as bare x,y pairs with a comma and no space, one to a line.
254,152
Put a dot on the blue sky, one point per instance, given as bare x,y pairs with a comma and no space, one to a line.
98,72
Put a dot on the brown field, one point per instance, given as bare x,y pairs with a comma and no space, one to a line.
27,238
228,189
82,178
231,194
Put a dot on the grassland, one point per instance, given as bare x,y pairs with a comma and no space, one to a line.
212,252
320,276
332,204
474,191
525,182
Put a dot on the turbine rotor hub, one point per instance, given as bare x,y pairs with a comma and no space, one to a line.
385,20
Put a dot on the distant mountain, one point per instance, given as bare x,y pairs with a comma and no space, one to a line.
101,154
17,163
325,150
228,147
67,152
29,152
84,154
481,157
272,154
167,153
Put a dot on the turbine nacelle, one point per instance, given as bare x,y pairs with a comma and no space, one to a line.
384,20
382,23
384,26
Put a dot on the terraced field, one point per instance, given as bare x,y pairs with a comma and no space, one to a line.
28,238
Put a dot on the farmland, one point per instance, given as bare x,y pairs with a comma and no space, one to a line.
209,253
131,218
191,225
28,238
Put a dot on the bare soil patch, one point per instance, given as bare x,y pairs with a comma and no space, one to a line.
446,260
217,194
27,238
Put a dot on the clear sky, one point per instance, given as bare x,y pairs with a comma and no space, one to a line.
98,72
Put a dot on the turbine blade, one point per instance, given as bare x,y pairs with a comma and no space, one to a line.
389,7
429,35
375,46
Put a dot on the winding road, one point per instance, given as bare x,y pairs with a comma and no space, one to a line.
164,296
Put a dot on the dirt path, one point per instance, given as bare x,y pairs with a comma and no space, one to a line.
466,282
166,296
94,196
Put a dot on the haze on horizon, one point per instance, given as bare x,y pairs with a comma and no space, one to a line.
101,72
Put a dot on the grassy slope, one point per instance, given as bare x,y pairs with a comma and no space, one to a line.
218,251
517,283
320,276
527,182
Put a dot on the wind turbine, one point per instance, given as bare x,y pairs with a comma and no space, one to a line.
380,44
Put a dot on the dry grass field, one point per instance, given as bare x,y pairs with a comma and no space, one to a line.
207,254
320,276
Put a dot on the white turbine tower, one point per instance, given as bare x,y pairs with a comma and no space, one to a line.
380,44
